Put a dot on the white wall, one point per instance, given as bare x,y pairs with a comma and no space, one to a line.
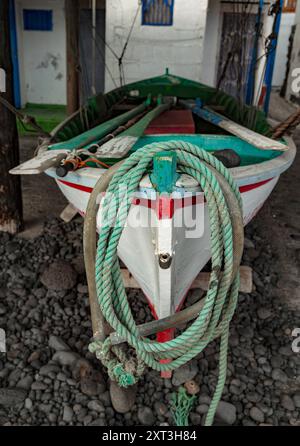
153,48
42,55
295,60
287,21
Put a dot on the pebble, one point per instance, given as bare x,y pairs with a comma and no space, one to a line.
38,386
257,415
96,406
58,344
68,414
12,397
287,403
296,399
279,375
145,416
25,383
65,358
122,400
28,404
264,313
48,369
185,373
226,413
59,276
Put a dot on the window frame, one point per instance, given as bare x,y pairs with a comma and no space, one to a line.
145,8
28,20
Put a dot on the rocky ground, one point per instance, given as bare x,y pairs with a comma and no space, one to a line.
48,377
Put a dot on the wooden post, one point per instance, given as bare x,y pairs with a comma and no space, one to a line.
10,185
72,31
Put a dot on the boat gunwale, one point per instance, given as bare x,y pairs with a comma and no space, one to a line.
243,175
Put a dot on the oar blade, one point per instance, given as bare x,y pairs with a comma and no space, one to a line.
40,163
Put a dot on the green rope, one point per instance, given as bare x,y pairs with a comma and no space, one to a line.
221,299
181,406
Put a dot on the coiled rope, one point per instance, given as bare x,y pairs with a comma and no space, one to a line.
226,226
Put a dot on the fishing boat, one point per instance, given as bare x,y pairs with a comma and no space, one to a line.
166,241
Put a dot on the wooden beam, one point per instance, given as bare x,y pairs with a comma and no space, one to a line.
72,32
201,282
10,186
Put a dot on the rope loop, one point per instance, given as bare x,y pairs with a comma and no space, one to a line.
224,206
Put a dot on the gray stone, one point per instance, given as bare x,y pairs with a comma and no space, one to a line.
160,408
12,397
185,373
296,399
264,313
195,419
68,414
287,403
202,409
279,375
145,416
65,358
253,397
277,361
122,399
28,404
226,413
248,243
96,406
25,383
58,344
257,415
60,275
98,422
3,310
38,385
91,387
49,368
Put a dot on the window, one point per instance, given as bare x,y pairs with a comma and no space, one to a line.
37,20
289,6
157,12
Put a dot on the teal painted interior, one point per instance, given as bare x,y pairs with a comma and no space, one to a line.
248,153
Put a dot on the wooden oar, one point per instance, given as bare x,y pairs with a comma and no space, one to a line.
257,140
119,146
40,163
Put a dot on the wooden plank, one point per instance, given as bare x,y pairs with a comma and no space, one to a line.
68,213
260,141
201,282
10,187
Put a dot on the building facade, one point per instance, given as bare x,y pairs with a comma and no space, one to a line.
189,37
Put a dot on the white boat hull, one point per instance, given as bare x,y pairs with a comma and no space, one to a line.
152,228
164,226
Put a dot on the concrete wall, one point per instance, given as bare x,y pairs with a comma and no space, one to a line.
42,55
153,48
287,21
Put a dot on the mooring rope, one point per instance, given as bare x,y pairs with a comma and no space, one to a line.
225,213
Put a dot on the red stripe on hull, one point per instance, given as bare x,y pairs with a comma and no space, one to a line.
165,207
